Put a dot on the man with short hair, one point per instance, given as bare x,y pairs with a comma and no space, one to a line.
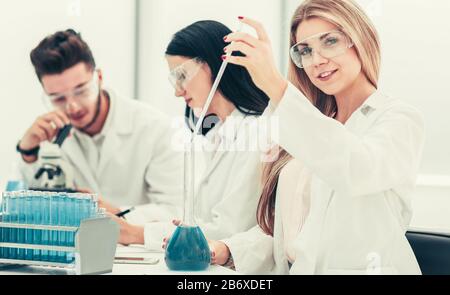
120,148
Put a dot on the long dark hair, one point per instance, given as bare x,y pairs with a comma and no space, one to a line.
204,40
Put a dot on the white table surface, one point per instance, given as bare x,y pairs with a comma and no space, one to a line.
120,269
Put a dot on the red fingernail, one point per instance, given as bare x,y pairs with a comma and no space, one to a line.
240,17
225,38
224,57
225,49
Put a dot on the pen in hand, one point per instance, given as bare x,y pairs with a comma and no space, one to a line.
123,213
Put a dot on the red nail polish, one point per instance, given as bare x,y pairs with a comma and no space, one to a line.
224,57
240,17
225,49
225,38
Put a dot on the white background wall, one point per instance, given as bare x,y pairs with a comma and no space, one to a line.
107,26
415,51
161,19
414,36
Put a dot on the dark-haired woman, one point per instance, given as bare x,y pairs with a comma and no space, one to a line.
229,187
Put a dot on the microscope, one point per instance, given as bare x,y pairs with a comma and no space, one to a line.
54,174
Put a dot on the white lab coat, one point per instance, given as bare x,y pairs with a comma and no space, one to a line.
137,164
228,188
255,252
363,175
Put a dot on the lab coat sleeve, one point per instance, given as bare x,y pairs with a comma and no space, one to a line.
236,211
164,179
27,170
386,156
252,251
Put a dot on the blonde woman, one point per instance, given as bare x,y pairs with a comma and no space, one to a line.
361,147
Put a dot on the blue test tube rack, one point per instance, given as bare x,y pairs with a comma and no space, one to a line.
87,247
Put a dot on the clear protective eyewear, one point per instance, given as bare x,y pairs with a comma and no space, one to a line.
180,76
82,94
328,45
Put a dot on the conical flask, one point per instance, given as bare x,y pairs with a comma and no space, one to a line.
188,248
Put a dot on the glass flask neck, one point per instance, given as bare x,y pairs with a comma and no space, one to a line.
189,185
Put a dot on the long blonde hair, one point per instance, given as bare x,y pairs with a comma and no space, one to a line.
348,17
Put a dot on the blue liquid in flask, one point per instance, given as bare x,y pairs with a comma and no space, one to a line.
188,250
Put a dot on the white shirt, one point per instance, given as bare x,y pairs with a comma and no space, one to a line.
91,146
229,187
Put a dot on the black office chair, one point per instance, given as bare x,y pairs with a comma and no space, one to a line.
432,251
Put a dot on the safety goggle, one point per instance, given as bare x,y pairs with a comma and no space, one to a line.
328,45
82,94
180,76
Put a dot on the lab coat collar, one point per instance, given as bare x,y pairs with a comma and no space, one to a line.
107,124
120,118
76,157
374,102
227,132
119,122
122,122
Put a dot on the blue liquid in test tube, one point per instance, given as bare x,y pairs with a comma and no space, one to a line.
62,221
29,220
71,221
37,218
45,238
21,220
53,256
86,207
13,218
4,232
15,185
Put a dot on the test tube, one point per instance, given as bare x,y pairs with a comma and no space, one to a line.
37,218
4,233
78,209
45,238
29,220
101,212
13,218
94,205
62,221
21,220
53,222
86,206
71,221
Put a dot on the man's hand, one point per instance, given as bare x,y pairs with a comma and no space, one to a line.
129,234
44,128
